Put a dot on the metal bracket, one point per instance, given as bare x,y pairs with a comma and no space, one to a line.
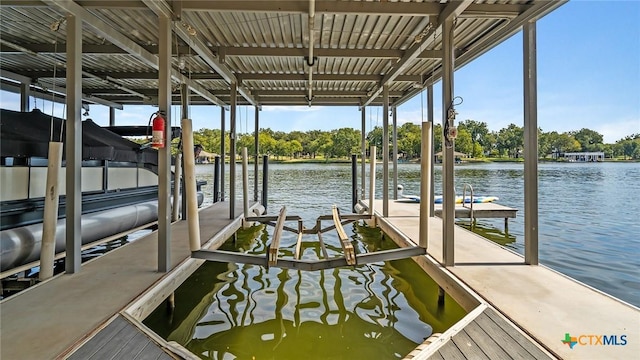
310,64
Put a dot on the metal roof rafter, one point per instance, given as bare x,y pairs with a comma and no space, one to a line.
453,9
532,11
160,7
106,31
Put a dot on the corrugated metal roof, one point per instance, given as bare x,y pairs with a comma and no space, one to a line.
261,44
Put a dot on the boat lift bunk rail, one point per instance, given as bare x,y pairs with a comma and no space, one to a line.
271,259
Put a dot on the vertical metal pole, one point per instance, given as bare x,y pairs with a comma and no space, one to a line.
177,189
74,144
395,152
530,145
112,116
245,182
256,145
385,151
448,200
354,181
24,97
164,154
222,151
184,113
430,118
426,158
265,181
372,179
216,179
363,151
232,152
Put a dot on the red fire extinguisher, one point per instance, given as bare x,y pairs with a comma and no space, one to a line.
157,131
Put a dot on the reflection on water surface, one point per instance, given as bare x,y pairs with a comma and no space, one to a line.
375,311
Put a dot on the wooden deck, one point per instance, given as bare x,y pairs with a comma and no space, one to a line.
480,210
542,302
48,320
120,339
488,335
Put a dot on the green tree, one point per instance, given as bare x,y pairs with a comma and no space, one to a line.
374,137
281,148
295,148
322,144
561,143
266,142
409,140
346,141
628,147
478,132
463,142
437,138
510,140
246,140
590,140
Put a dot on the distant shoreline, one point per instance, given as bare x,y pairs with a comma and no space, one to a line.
417,161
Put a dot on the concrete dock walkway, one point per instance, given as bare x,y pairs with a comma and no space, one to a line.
47,320
544,303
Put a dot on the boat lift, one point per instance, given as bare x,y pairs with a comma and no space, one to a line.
271,258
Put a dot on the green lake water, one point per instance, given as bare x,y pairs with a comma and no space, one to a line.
588,229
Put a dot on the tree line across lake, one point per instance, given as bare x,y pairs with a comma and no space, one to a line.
474,139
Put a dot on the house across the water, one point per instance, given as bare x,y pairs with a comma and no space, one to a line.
592,156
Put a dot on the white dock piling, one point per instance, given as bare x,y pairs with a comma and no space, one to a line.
177,174
51,200
190,184
426,158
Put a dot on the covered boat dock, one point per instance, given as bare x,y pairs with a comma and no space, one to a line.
255,53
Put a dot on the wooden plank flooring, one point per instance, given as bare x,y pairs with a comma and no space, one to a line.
489,336
62,311
120,339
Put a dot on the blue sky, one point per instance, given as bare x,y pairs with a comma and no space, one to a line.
588,77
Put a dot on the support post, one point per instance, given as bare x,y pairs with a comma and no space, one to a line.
256,145
430,118
265,181
24,97
448,199
216,179
222,150
395,152
190,183
184,114
112,116
530,145
385,151
372,179
164,154
245,183
50,217
354,181
177,181
425,184
73,144
363,150
232,152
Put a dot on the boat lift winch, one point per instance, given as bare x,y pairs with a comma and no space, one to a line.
271,259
